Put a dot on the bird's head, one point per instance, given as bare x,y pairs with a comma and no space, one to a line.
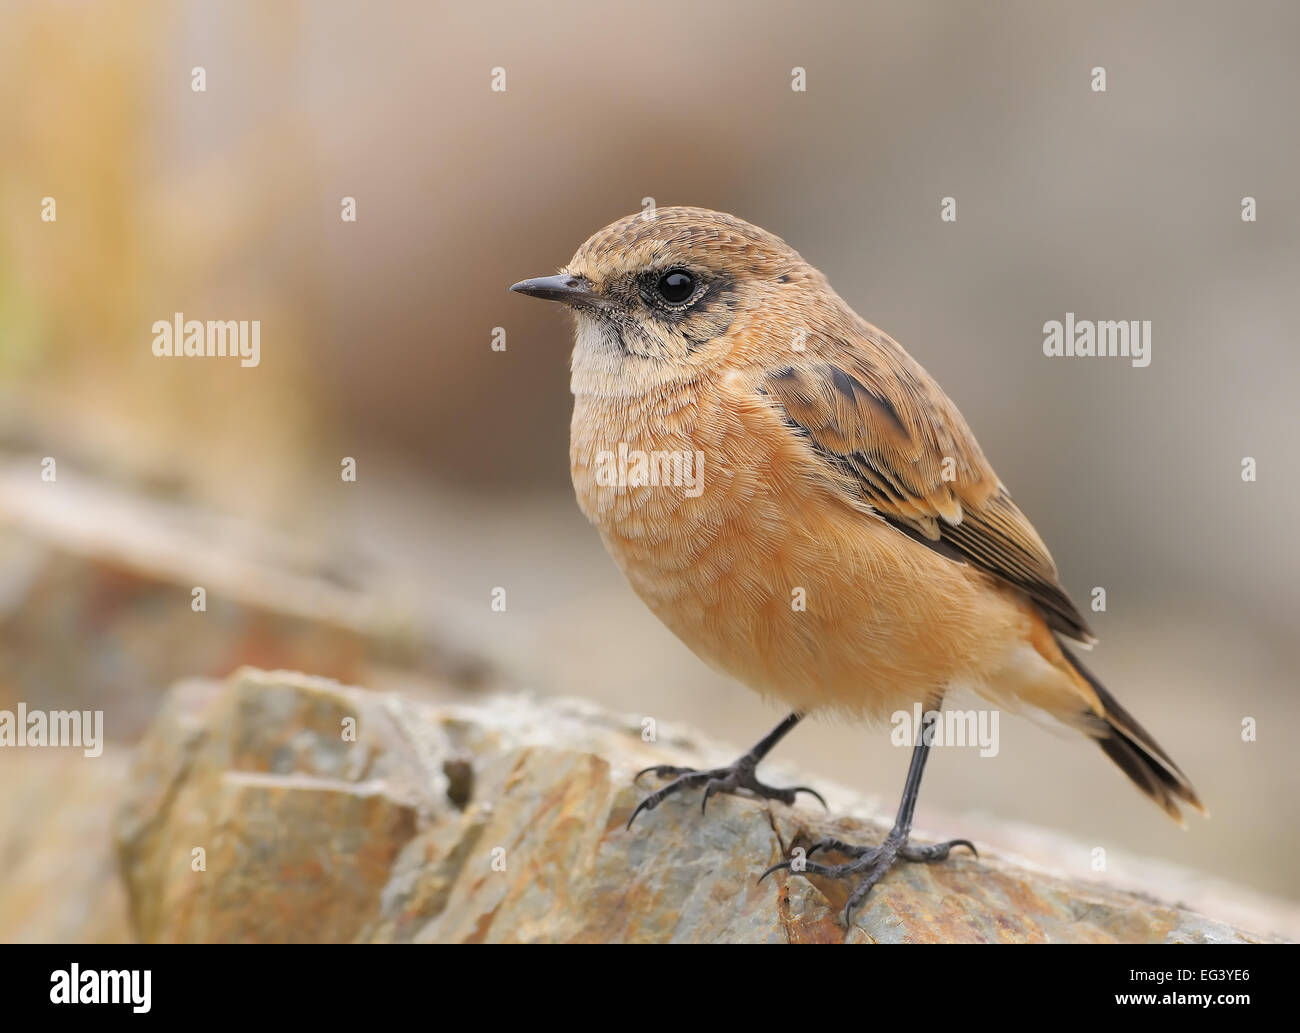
661,295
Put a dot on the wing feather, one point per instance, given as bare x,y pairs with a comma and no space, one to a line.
894,441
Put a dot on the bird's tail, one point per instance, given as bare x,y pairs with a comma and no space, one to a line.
1138,755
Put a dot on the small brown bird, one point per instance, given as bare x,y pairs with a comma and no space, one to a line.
742,439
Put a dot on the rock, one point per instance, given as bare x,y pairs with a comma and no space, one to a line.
58,875
115,572
504,821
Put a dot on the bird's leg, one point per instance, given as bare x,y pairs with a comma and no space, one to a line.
737,778
873,862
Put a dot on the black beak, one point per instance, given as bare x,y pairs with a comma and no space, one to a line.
571,290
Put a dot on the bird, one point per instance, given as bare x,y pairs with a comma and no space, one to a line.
797,499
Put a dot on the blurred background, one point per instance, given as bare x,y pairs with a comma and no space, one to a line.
376,344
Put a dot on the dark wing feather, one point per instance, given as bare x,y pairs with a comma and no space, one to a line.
894,441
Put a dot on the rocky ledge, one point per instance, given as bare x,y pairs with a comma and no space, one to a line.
278,807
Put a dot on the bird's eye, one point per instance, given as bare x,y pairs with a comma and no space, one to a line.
676,286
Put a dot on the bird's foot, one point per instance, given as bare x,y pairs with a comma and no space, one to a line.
871,862
739,778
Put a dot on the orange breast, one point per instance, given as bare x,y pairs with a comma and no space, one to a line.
759,566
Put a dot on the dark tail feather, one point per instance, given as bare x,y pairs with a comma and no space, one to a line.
1138,755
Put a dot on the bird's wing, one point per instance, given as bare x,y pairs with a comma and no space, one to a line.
895,442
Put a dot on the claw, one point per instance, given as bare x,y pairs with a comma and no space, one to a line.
836,844
934,852
811,792
870,862
739,777
661,770
644,805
